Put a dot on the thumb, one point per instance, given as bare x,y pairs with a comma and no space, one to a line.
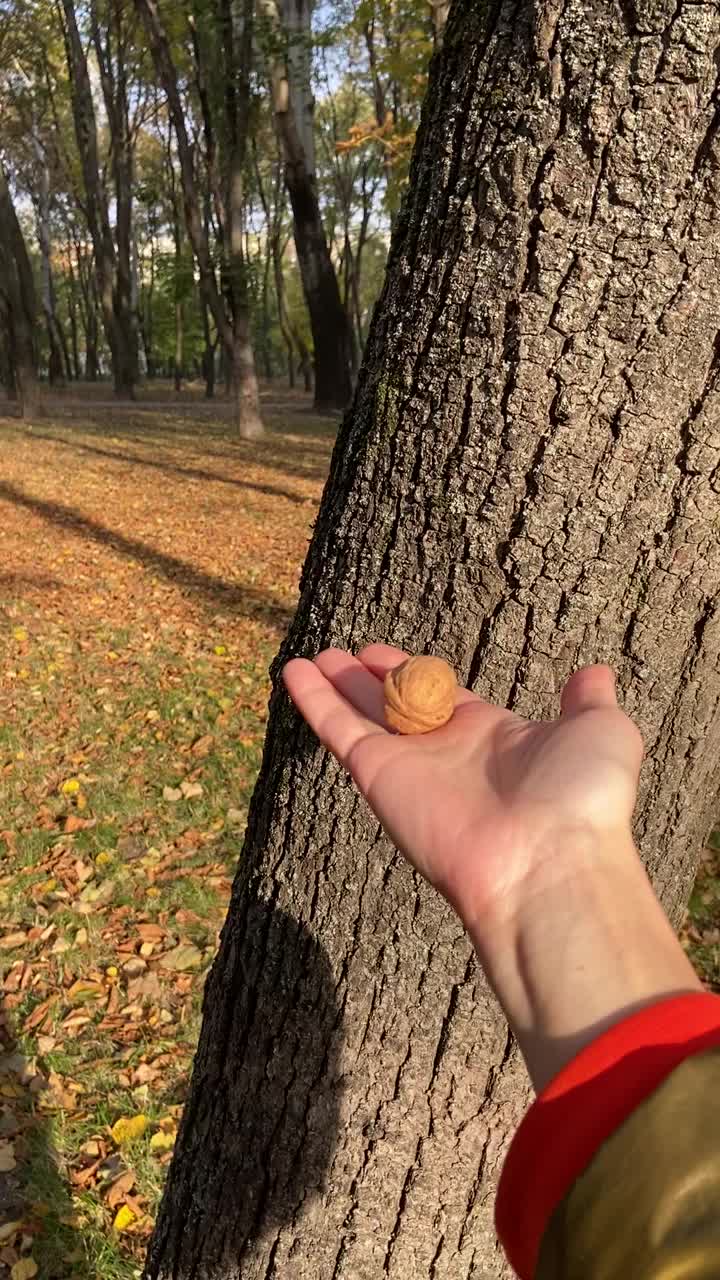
589,689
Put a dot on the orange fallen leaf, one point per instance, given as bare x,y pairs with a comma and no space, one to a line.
119,1189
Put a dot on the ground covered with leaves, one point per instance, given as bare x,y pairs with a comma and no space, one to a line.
150,564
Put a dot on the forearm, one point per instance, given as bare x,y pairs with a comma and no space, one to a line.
585,943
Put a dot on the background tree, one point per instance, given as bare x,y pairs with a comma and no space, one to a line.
528,481
17,306
230,31
112,267
286,35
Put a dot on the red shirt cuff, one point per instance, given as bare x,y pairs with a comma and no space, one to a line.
584,1104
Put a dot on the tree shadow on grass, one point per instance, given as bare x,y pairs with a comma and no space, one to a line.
221,595
15,582
307,457
172,468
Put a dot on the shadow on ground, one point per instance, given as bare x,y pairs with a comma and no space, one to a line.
251,602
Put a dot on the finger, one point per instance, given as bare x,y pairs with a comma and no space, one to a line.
381,658
337,724
353,680
590,688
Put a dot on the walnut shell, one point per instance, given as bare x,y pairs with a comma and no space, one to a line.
420,694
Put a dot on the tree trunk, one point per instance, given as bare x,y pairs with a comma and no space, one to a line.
305,363
328,319
56,367
528,481
17,294
235,334
178,284
113,279
73,304
237,29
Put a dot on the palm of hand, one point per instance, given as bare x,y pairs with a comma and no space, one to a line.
469,804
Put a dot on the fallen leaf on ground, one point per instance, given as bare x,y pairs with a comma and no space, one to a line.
172,794
39,1014
186,956
11,940
191,790
92,1149
85,990
123,1219
118,1189
128,1128
151,932
7,1157
24,1269
162,1141
73,824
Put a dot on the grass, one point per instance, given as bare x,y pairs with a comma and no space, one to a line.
151,563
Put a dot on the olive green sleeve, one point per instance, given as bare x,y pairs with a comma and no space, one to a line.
648,1205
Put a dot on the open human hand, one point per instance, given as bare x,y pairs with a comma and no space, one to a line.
476,805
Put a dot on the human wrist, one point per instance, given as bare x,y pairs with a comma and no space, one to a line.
577,943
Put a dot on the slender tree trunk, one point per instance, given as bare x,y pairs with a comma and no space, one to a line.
148,333
72,303
56,368
382,115
273,210
208,355
328,318
178,284
237,27
266,318
179,346
17,292
109,35
528,481
209,344
283,321
234,334
112,273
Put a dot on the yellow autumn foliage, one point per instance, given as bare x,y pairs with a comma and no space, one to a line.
124,1218
128,1128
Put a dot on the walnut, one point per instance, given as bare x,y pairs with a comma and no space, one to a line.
420,694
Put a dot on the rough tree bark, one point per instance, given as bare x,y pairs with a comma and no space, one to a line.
292,107
18,304
528,481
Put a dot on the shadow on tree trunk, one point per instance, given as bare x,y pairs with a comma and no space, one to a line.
266,1087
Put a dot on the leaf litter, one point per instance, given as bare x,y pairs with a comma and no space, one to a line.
137,622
